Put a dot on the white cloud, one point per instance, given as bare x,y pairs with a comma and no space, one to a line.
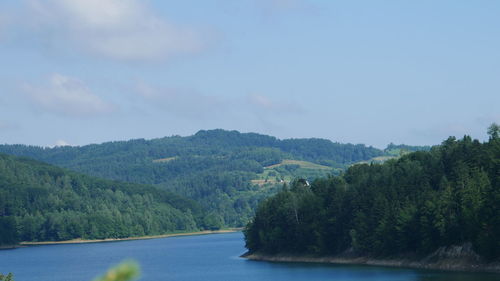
67,96
117,29
62,143
192,104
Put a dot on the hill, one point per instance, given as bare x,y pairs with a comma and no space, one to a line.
419,204
225,171
41,202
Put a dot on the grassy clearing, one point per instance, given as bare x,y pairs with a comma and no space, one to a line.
162,160
382,158
378,159
283,173
302,164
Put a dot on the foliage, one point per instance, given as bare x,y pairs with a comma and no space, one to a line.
125,271
494,131
398,149
40,202
214,167
449,195
8,277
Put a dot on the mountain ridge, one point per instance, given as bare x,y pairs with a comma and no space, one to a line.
213,167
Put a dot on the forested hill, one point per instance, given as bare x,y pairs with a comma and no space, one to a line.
210,142
227,172
449,195
41,202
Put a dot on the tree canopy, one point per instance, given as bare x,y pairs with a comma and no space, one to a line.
41,202
214,168
449,195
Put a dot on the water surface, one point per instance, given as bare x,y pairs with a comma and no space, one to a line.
189,258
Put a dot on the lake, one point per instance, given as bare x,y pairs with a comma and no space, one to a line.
207,257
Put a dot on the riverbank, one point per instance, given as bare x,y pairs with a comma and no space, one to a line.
7,247
454,258
79,241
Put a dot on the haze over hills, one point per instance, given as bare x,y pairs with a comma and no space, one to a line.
226,172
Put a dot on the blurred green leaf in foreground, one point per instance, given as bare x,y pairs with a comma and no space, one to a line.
8,277
125,271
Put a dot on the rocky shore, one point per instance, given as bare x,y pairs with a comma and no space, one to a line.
452,258
7,247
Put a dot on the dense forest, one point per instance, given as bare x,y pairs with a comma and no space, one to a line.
449,195
41,202
227,172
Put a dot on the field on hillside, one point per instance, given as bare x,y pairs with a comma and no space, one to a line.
288,170
302,164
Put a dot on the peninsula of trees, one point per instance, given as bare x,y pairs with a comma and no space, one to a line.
413,205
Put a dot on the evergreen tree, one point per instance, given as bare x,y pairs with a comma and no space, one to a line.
449,195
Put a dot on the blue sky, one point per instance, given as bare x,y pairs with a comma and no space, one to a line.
374,72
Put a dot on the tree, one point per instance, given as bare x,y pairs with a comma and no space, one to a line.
213,221
8,231
494,131
410,205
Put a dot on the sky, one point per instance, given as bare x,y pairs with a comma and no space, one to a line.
74,72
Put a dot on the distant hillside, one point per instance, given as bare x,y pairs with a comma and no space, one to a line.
41,202
394,151
219,169
287,170
398,149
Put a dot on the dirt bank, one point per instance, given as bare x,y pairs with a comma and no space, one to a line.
452,258
77,241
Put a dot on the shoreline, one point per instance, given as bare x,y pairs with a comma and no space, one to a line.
147,237
456,265
9,247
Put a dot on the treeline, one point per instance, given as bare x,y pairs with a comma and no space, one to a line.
212,167
115,159
449,195
405,148
40,202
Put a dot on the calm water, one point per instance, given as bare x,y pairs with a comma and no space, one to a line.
207,258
